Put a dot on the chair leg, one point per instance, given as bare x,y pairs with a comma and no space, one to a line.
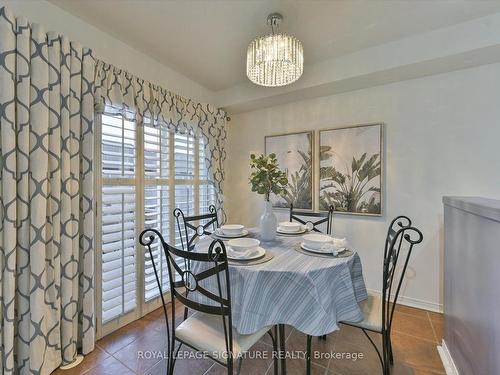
389,346
275,350
240,362
274,339
308,355
172,358
385,349
282,339
382,357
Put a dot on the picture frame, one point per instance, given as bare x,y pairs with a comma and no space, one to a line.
295,154
350,169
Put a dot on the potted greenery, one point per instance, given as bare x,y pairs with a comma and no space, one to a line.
267,178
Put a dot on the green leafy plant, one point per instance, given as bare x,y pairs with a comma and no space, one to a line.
347,191
298,190
266,177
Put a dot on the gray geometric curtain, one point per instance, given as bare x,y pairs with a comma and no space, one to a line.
46,198
135,99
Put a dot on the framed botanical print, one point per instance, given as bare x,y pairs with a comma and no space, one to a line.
350,169
294,152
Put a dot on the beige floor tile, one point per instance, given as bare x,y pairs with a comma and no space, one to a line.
434,316
144,352
122,337
417,353
351,359
412,325
419,313
438,327
109,366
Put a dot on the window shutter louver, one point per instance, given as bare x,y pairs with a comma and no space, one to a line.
118,251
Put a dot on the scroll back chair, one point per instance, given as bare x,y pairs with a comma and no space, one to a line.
378,310
209,329
191,231
326,217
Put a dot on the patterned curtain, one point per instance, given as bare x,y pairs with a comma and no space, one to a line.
136,99
46,198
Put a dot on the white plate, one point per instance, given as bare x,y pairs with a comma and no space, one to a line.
321,251
218,234
257,253
281,231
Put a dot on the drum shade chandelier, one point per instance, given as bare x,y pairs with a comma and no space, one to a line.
276,59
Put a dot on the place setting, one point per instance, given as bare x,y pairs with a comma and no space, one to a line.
246,251
324,246
290,228
229,231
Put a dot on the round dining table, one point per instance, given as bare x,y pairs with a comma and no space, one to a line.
307,291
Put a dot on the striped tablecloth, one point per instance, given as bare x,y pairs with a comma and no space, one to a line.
309,293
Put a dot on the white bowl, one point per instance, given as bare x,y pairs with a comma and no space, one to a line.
316,241
232,229
289,226
243,244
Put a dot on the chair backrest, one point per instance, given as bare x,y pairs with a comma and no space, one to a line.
397,252
192,227
396,224
184,284
325,217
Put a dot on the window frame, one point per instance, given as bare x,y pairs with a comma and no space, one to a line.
140,182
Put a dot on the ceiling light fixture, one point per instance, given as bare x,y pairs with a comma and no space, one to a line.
276,59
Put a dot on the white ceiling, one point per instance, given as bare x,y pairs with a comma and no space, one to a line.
207,40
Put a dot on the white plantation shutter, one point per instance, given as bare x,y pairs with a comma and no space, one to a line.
156,152
157,212
118,251
172,173
184,156
206,189
118,224
157,216
207,197
118,148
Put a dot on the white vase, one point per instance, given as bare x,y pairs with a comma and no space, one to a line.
268,223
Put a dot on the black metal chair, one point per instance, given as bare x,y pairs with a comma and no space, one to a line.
378,310
326,217
192,231
209,329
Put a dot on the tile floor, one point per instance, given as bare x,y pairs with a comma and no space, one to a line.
416,333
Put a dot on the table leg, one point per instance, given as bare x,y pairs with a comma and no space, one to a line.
282,348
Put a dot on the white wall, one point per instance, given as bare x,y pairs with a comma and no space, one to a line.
442,137
107,48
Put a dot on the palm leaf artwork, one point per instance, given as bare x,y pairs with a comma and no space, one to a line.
299,188
355,188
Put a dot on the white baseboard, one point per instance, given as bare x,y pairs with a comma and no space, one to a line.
447,359
414,302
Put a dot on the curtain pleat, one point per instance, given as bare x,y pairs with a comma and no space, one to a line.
136,99
46,192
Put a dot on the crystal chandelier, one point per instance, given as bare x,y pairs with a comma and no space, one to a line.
276,59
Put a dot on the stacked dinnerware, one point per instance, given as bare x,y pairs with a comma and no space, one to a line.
231,231
244,249
290,227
